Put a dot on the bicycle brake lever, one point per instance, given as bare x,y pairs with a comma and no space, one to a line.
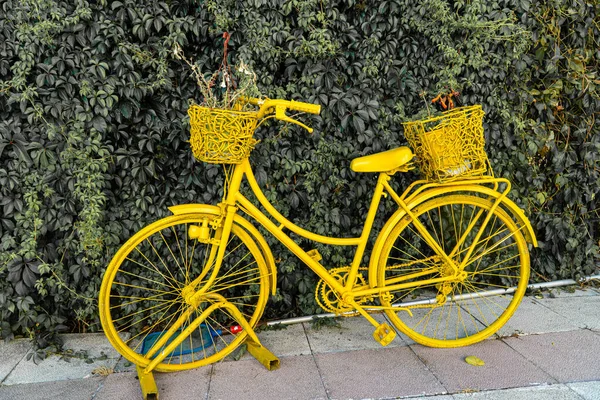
281,115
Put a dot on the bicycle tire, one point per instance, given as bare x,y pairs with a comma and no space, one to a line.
141,292
460,312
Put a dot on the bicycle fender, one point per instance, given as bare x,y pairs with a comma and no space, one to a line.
241,221
507,204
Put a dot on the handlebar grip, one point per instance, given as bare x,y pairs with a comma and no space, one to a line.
304,107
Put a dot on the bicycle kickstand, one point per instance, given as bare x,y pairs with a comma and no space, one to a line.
147,384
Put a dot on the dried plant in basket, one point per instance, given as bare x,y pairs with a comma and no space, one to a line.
222,126
223,87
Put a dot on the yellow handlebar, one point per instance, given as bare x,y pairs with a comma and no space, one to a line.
305,107
279,107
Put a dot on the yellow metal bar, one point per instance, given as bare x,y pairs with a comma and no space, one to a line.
284,221
147,384
239,220
262,355
221,303
315,266
391,288
482,228
436,189
227,225
167,335
422,229
368,225
425,185
179,339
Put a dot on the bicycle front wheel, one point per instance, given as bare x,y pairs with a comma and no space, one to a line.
481,298
142,293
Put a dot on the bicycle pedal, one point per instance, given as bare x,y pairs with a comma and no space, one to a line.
384,334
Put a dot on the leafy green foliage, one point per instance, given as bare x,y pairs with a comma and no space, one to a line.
93,125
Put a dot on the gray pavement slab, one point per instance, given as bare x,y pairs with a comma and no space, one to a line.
565,292
192,384
80,389
354,333
544,392
86,347
587,390
124,385
290,341
427,321
384,373
504,367
298,378
567,356
581,311
532,317
11,353
94,344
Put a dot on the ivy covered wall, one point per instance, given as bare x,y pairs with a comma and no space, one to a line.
93,125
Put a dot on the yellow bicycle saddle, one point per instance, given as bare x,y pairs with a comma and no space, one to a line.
384,161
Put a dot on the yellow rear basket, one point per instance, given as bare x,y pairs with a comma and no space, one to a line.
450,146
221,136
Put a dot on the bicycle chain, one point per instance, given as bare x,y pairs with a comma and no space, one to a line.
324,292
408,264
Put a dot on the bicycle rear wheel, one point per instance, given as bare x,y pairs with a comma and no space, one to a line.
464,310
142,292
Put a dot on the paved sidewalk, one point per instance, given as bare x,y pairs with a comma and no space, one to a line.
548,350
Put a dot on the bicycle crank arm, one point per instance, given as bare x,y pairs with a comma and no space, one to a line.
383,333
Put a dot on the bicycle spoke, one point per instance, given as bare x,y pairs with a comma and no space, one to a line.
455,312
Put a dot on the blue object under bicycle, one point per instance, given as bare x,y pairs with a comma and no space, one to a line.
203,338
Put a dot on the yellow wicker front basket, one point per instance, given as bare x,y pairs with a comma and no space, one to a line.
221,136
450,146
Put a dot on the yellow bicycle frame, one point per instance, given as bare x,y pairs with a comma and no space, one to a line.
420,190
236,200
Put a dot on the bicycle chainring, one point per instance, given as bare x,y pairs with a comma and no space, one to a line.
329,300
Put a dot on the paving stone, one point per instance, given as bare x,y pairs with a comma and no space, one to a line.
532,317
289,341
11,354
567,356
80,389
587,390
383,373
581,311
355,333
566,292
298,378
124,365
422,320
544,392
94,347
118,386
94,344
171,386
504,367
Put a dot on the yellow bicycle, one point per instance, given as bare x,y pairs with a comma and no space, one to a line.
448,268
